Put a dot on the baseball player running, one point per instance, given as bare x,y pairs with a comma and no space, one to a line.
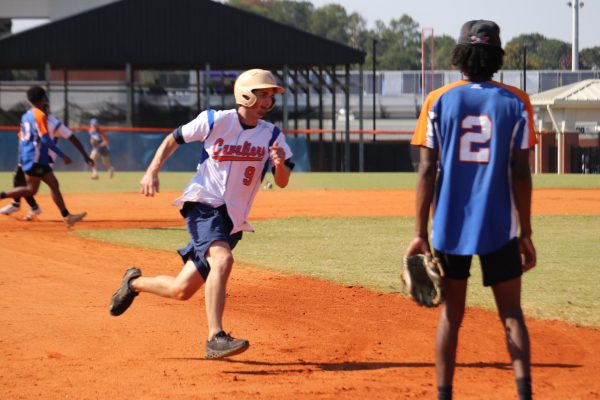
238,147
56,130
475,136
37,149
99,142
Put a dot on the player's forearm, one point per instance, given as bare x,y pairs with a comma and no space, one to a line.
425,189
282,175
164,151
78,145
522,189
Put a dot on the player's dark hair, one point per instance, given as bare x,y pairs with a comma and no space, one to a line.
478,62
35,94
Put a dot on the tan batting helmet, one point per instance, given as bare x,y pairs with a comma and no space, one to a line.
251,80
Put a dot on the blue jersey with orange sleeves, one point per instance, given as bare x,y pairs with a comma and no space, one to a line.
33,149
474,127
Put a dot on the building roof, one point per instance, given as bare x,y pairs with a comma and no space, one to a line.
170,35
583,94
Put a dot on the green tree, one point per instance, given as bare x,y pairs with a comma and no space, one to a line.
357,30
399,44
260,7
542,53
331,22
590,58
294,13
443,51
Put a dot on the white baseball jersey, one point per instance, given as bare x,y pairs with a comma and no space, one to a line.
57,130
233,162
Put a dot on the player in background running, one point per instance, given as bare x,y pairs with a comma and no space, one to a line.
100,146
56,130
36,148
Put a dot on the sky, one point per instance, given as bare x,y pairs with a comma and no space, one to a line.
551,18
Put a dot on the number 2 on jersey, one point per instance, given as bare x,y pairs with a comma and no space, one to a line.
477,130
248,175
26,132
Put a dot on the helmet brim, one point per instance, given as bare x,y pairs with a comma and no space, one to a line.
276,89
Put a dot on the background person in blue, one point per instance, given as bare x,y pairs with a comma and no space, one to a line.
57,130
475,136
100,146
36,146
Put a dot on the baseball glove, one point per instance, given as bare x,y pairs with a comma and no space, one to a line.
19,177
422,278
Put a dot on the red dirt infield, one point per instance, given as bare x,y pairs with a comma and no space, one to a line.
309,339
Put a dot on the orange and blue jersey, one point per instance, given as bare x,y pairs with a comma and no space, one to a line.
474,127
35,140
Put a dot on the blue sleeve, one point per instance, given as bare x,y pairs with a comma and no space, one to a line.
48,142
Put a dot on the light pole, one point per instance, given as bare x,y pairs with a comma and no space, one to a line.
374,84
575,5
524,67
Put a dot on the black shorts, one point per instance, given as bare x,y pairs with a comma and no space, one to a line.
38,170
499,266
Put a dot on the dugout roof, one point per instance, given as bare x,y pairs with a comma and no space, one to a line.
170,35
576,95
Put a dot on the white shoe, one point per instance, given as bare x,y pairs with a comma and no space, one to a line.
94,177
31,215
71,219
9,209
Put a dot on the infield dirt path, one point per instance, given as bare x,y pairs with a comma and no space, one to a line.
309,339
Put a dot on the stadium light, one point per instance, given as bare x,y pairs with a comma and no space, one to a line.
575,5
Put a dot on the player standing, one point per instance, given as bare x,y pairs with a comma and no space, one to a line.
36,151
475,136
238,148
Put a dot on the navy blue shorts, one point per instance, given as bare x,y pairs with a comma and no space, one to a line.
205,225
103,151
499,266
38,170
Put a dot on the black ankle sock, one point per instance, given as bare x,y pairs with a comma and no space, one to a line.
524,388
2,195
64,213
32,203
445,392
16,203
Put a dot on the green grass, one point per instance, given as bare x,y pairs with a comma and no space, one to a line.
80,182
563,286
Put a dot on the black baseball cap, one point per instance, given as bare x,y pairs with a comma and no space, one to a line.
480,32
36,93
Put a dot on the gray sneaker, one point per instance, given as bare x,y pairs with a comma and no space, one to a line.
223,345
124,296
71,219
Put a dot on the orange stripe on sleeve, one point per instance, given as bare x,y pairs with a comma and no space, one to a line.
41,119
420,135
